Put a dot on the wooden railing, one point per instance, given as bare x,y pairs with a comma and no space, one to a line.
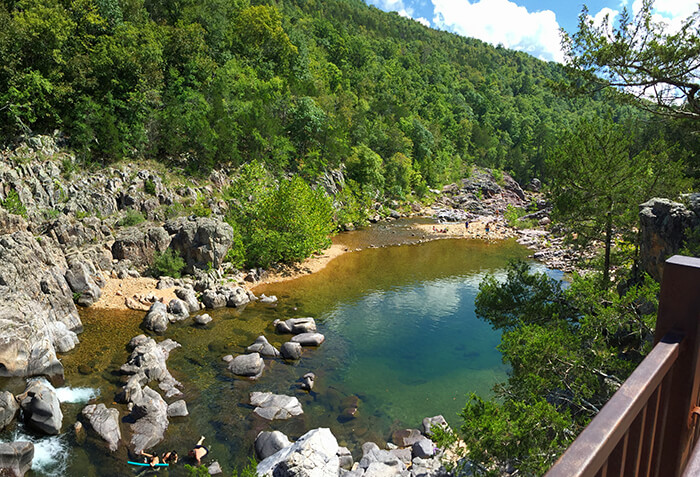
651,425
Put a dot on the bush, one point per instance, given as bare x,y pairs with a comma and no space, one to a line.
149,186
13,204
168,263
132,217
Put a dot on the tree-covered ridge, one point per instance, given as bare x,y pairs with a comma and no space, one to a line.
296,84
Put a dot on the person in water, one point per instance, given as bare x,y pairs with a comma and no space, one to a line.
151,459
170,457
199,451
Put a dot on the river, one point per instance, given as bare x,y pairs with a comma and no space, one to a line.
402,342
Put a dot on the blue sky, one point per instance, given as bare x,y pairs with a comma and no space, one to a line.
526,25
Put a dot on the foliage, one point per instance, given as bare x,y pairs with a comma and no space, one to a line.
568,349
149,187
513,214
13,204
297,85
691,244
168,263
639,54
599,175
132,217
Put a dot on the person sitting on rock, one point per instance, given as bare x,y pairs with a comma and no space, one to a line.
170,457
199,451
151,459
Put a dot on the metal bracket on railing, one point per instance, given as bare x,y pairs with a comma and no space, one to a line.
694,412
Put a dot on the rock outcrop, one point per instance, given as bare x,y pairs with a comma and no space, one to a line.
140,244
664,227
201,241
275,406
105,422
34,298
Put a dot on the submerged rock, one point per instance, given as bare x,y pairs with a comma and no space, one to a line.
275,406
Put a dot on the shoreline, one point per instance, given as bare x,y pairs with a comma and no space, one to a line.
117,292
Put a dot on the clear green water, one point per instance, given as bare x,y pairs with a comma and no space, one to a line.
401,340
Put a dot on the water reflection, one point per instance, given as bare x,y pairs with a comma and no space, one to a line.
402,343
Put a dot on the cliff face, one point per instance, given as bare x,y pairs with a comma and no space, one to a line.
58,230
664,227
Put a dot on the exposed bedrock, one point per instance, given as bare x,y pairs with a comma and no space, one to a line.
664,227
37,313
201,241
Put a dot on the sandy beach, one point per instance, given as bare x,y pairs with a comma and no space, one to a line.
117,292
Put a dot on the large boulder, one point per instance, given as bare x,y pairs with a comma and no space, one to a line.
291,350
41,408
34,296
178,310
378,462
189,296
8,409
248,365
268,443
663,230
314,454
201,241
16,457
157,318
275,406
150,416
105,422
140,245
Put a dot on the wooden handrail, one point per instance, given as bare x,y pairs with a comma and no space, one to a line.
589,452
648,427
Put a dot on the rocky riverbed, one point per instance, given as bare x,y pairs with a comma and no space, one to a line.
67,241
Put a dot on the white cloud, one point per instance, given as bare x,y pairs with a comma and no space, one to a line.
394,6
502,22
423,21
670,12
608,13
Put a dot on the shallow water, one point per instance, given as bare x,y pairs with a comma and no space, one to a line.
402,343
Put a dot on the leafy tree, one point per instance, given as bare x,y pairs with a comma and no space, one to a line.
568,350
168,263
657,67
597,180
364,167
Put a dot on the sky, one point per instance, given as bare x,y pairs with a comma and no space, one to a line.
531,26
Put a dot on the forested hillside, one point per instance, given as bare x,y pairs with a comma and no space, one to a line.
300,85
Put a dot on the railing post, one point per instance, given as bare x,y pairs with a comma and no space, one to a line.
679,312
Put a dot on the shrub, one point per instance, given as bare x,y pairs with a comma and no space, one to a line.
132,217
13,204
168,263
149,186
